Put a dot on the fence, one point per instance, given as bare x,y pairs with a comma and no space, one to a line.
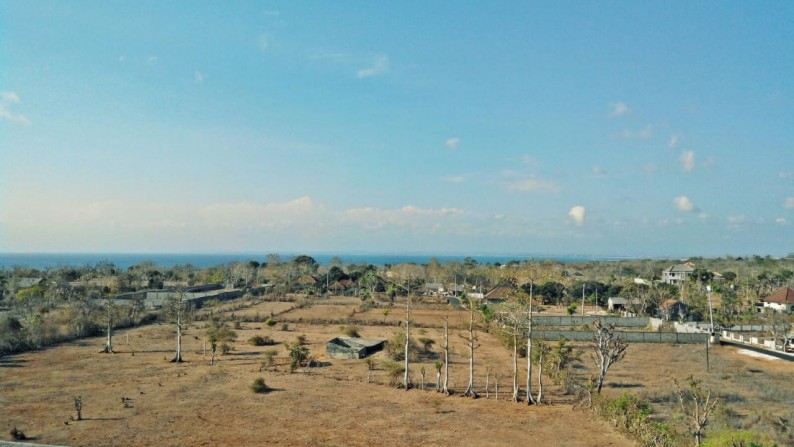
631,337
588,320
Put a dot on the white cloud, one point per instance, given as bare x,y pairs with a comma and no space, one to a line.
687,160
379,66
643,134
247,214
682,203
578,214
788,203
7,99
453,179
263,42
673,141
452,143
619,108
531,185
151,60
650,168
703,216
785,175
199,77
597,171
780,220
407,216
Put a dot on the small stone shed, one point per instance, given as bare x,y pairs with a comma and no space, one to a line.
353,348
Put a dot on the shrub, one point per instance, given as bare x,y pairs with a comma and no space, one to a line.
300,340
396,347
350,331
270,356
261,340
270,322
260,387
395,371
631,415
18,435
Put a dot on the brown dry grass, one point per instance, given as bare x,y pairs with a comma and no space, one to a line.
196,404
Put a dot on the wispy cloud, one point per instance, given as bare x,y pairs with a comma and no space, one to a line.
407,216
199,77
7,99
643,134
452,143
578,214
619,108
682,203
453,179
597,171
687,161
780,221
785,175
531,185
673,142
263,42
788,203
380,65
152,60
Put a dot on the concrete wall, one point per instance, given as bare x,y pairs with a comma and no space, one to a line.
631,337
566,320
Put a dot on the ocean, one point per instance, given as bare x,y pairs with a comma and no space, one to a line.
166,260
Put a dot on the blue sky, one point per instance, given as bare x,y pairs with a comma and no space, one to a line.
597,128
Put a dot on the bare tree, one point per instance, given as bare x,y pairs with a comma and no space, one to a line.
177,311
608,348
697,405
471,340
512,317
406,375
110,307
530,399
445,387
539,357
779,326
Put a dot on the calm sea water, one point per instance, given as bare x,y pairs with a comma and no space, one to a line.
125,260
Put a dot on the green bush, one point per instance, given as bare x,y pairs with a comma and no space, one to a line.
260,387
631,415
270,322
18,435
738,439
350,331
261,340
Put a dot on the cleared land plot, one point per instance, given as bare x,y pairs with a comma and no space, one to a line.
197,404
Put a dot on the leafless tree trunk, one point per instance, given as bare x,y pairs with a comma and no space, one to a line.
471,339
530,399
445,388
422,375
110,310
407,336
542,351
608,348
697,406
496,379
488,382
177,308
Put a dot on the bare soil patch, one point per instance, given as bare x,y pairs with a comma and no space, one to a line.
136,397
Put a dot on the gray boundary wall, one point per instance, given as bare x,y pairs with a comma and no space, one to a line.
631,337
570,320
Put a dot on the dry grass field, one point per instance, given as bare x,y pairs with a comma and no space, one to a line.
193,403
